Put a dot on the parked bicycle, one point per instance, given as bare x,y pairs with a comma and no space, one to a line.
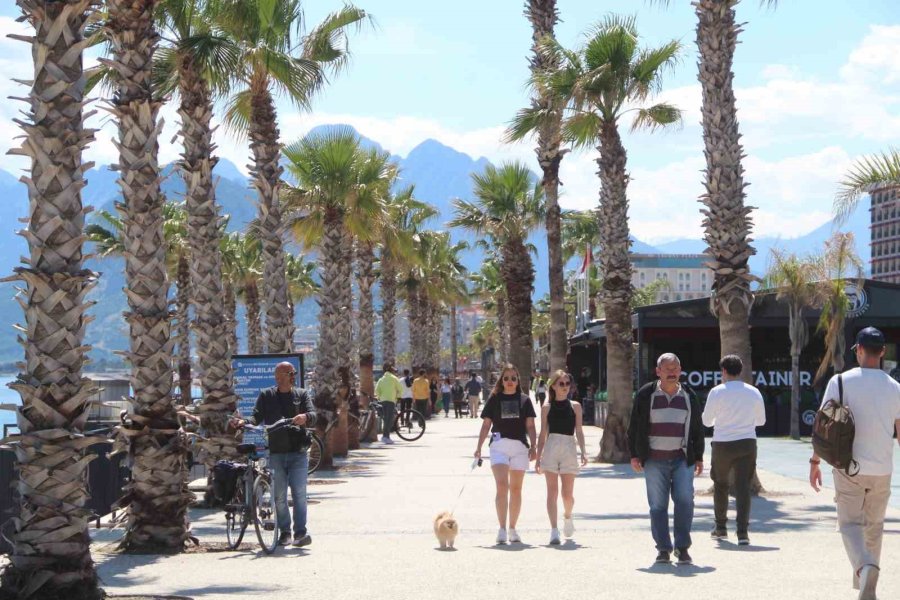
254,501
409,424
317,444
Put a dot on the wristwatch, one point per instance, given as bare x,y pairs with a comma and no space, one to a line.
814,461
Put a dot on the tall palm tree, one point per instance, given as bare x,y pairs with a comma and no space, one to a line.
508,208
197,64
794,280
271,60
487,285
50,555
245,268
157,496
301,279
543,16
599,84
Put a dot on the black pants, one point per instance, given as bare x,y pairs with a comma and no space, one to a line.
422,407
739,455
457,408
405,407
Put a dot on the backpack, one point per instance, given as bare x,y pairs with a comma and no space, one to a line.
225,477
833,433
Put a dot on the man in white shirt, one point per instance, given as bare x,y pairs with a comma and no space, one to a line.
873,398
735,409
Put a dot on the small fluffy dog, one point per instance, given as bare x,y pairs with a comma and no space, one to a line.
445,529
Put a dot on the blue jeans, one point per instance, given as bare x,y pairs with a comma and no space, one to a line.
675,477
290,469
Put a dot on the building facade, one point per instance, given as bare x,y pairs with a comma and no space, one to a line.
885,234
687,275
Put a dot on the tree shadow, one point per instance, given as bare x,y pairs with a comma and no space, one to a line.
608,471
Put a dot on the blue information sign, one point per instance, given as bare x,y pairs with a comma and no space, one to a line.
252,374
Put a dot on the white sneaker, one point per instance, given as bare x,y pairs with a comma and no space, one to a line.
568,527
501,536
868,579
554,537
386,440
514,536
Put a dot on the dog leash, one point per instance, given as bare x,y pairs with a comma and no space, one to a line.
475,463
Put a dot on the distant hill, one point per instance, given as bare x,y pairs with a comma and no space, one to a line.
440,173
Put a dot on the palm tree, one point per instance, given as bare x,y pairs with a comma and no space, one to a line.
271,60
300,278
50,555
838,266
543,16
197,64
509,206
794,281
609,77
487,285
157,496
339,193
868,173
245,268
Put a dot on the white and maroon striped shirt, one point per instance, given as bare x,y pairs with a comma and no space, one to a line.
668,424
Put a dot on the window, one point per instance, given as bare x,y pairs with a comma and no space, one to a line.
703,276
677,296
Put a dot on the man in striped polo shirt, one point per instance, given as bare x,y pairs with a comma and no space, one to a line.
665,437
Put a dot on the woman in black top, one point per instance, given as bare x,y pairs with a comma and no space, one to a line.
509,416
557,457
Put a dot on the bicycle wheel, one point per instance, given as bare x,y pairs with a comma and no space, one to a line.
236,518
412,428
263,509
316,450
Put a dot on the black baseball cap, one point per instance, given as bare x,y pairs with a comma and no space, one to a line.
870,337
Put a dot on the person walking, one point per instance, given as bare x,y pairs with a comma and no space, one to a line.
541,391
433,392
873,398
288,446
445,396
508,416
388,390
557,456
734,409
421,392
665,437
458,395
473,389
406,400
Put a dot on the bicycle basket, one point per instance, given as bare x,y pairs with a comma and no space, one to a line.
225,477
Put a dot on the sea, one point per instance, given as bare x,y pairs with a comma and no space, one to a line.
7,396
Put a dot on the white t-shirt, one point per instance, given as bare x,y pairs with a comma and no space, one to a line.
874,400
735,409
407,389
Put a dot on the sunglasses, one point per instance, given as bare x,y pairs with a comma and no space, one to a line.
563,383
510,378
291,373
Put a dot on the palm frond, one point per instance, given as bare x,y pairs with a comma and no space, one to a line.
655,117
867,173
583,129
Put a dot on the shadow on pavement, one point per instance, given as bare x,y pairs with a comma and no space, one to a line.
606,471
509,547
567,545
221,590
676,570
732,547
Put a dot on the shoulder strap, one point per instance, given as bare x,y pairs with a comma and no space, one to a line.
840,389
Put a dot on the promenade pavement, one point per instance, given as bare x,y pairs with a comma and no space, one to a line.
371,523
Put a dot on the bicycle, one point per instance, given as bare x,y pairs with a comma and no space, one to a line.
317,444
409,425
253,499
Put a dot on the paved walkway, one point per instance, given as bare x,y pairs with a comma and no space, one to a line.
371,526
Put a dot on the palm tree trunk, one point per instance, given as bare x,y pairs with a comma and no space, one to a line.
388,310
795,396
214,315
50,555
616,292
518,275
727,221
346,346
454,346
412,321
183,331
365,259
254,326
543,17
266,174
157,496
503,330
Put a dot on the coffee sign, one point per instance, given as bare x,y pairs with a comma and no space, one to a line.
708,379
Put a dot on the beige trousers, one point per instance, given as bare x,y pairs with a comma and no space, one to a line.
473,406
861,504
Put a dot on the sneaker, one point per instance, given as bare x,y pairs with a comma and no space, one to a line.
868,579
683,557
568,527
501,536
302,540
719,533
285,538
662,558
387,440
514,536
554,537
743,539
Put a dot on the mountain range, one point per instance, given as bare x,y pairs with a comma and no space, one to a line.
439,173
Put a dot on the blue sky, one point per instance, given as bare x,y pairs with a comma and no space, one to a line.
817,84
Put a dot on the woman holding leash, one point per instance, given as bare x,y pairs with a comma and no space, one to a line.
509,417
557,456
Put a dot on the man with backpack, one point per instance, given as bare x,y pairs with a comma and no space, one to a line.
863,484
473,389
288,446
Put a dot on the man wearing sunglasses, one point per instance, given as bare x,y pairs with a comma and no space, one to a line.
288,446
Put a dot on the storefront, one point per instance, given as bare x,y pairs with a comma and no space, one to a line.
689,330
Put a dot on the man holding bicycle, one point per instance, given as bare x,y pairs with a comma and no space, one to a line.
388,390
288,459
